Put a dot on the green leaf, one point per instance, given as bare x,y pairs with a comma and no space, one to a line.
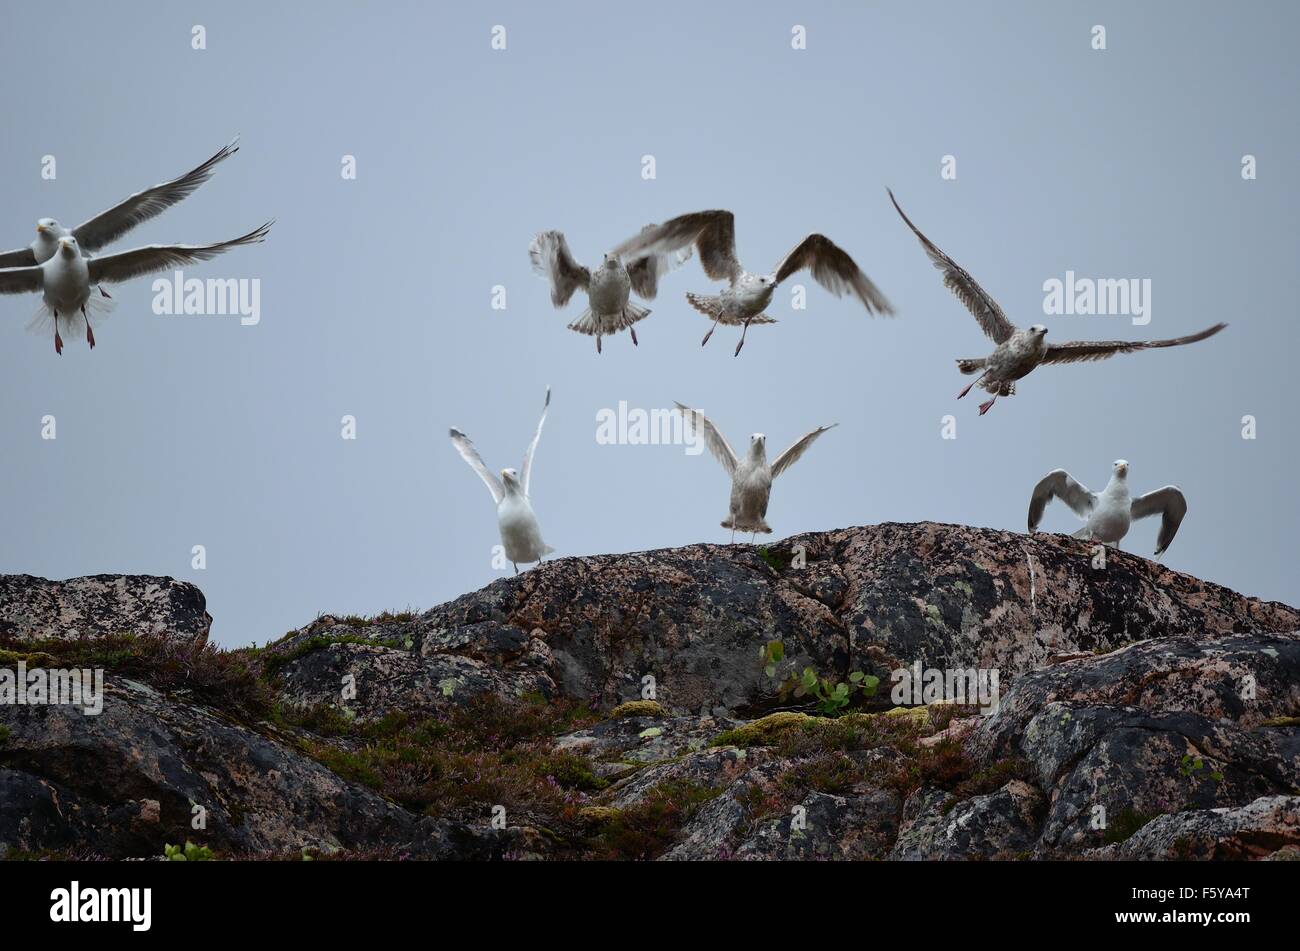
856,676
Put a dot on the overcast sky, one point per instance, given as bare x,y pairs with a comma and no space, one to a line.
377,293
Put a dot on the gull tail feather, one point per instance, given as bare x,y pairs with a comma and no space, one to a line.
971,366
590,324
71,324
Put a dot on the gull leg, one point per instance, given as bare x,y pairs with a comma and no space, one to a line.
710,333
733,533
753,536
744,330
90,334
598,343
516,567
632,330
985,407
972,383
58,341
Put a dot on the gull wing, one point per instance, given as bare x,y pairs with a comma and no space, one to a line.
791,455
834,270
108,226
526,471
471,456
984,308
713,233
123,266
1059,484
22,280
19,257
553,260
717,444
1170,503
1078,351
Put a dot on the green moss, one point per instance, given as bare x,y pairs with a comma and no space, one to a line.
765,730
226,680
273,663
4,734
777,561
649,828
637,708
1125,824
1280,722
31,659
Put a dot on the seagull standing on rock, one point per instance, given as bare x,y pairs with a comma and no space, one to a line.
751,477
521,536
610,308
1020,351
66,279
1109,513
743,300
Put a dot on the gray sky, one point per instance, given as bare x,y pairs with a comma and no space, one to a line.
376,293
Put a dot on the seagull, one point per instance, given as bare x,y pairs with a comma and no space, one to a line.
1109,513
610,308
107,226
751,478
742,302
521,536
1020,351
65,280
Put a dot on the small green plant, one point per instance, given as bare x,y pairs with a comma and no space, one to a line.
833,697
771,654
775,560
4,735
1191,767
187,853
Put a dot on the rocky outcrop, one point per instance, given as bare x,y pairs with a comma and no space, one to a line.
1143,713
1167,725
149,770
872,598
34,608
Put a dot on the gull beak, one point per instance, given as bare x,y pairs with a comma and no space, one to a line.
40,229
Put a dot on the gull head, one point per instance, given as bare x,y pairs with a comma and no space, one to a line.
1121,468
757,443
510,477
68,246
46,226
612,260
1038,330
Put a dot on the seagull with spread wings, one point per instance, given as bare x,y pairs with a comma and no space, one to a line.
65,280
751,477
521,536
741,303
1019,351
1109,513
107,226
609,288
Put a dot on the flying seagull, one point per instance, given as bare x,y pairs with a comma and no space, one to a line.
751,477
1020,351
742,301
107,226
609,288
1109,513
65,280
521,536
